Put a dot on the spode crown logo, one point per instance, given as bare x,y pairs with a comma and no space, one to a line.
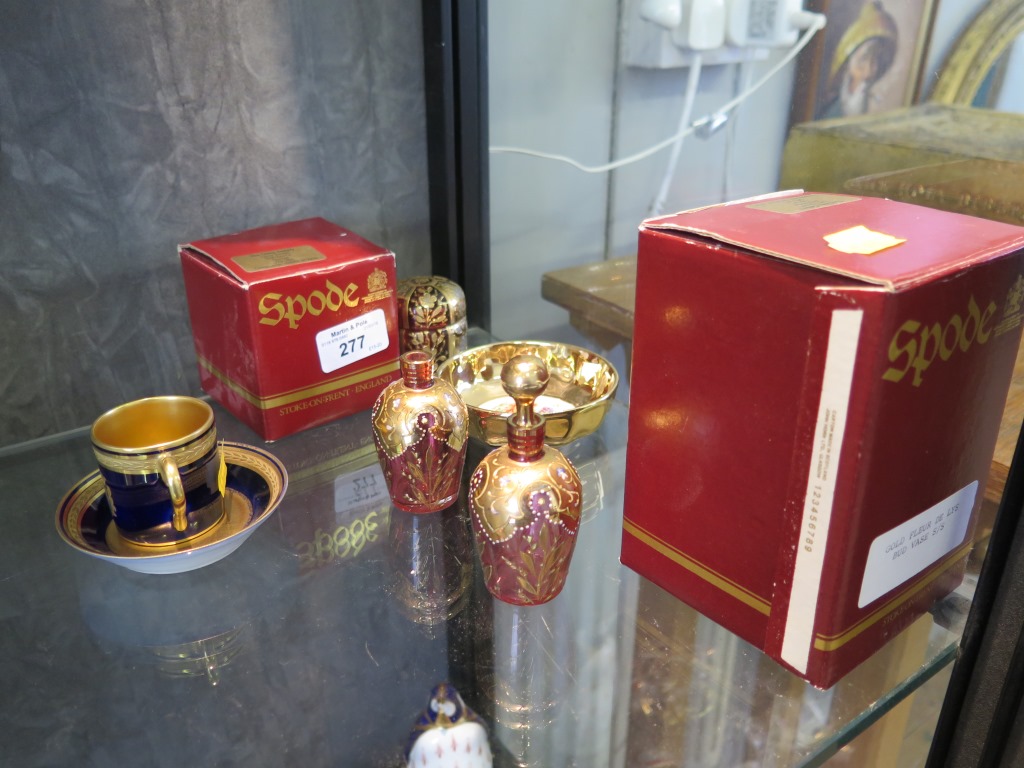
274,307
377,287
1014,298
377,281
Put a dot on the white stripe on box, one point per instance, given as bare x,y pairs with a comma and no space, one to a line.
843,337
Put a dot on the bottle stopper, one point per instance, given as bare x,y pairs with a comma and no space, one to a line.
524,378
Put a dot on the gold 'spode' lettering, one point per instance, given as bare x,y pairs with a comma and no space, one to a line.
276,308
915,346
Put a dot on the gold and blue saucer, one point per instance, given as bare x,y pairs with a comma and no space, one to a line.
256,483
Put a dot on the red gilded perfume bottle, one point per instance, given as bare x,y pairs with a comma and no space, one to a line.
420,427
525,500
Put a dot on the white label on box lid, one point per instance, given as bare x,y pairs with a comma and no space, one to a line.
906,550
351,341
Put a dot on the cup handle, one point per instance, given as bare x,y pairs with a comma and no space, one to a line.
172,479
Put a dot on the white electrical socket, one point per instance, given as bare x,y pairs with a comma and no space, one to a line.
765,23
667,14
658,34
702,27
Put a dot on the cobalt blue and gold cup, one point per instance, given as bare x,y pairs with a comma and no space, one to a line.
164,471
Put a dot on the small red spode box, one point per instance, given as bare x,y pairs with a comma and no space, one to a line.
294,324
816,391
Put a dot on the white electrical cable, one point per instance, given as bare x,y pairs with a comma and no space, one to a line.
743,76
684,120
818,22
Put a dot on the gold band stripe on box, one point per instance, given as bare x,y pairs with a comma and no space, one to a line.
821,642
698,569
287,398
832,642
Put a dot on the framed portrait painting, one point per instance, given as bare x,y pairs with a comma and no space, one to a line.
868,58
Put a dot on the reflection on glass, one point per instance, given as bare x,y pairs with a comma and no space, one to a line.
192,624
431,559
343,514
534,670
202,657
588,455
701,696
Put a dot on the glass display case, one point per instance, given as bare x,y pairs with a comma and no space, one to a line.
963,55
317,641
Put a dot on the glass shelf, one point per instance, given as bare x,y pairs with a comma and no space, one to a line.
317,642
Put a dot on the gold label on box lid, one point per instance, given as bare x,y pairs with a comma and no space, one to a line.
280,257
801,203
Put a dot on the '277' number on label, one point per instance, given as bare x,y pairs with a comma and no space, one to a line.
350,346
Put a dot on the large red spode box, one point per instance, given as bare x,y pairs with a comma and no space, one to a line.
295,324
810,430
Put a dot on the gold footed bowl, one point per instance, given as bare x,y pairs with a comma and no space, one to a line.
580,390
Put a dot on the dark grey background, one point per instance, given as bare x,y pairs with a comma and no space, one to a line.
128,126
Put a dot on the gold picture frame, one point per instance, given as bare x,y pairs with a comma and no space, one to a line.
869,58
984,40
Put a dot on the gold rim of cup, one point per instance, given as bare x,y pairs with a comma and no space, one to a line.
133,437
